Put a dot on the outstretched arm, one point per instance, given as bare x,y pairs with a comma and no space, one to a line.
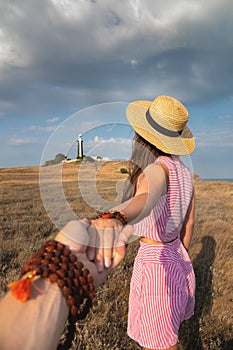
152,184
39,322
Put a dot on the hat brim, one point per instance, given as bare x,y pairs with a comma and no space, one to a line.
181,145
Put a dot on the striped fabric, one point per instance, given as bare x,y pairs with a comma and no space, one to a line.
163,282
166,219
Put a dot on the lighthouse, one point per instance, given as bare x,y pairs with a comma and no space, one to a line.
80,147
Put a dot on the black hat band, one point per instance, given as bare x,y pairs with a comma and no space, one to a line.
161,129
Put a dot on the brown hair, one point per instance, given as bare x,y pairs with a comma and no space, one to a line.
143,154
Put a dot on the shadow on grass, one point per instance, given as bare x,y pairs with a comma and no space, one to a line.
190,336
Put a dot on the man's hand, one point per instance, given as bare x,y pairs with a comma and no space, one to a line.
77,237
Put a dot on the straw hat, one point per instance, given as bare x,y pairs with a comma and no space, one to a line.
163,124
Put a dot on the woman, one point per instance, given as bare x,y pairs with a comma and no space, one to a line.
161,207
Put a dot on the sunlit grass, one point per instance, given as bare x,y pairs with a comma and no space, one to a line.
25,225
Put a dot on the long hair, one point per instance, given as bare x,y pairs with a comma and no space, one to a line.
143,154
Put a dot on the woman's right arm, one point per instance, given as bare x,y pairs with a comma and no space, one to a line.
152,185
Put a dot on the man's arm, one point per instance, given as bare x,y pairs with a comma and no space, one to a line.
39,322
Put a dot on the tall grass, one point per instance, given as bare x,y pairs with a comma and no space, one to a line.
25,225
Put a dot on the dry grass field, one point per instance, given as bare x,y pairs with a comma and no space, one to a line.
25,224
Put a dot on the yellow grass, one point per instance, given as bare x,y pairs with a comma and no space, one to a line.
25,224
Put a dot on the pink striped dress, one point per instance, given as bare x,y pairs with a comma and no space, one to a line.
163,282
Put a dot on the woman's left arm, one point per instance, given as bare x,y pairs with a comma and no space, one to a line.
188,225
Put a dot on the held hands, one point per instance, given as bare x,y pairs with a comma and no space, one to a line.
107,242
49,310
99,244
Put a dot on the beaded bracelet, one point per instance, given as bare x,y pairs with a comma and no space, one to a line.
112,215
56,262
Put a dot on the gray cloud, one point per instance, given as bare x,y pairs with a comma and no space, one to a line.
64,55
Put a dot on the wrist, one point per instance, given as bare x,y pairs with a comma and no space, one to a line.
117,215
69,243
56,262
74,235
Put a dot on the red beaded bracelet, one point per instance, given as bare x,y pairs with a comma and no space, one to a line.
112,215
56,262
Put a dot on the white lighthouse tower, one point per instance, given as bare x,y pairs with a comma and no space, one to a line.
80,147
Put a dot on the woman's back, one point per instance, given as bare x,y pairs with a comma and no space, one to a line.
166,218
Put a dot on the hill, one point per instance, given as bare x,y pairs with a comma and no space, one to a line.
25,225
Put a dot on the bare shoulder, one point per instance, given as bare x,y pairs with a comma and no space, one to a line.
155,169
152,170
152,178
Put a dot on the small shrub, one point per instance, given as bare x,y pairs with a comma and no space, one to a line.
123,170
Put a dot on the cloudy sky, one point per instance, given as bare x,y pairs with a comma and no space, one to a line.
62,59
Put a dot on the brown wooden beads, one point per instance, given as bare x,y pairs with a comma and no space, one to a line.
56,262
